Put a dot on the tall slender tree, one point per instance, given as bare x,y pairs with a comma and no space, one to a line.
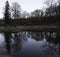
7,13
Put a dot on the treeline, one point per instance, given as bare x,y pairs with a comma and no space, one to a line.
49,16
34,21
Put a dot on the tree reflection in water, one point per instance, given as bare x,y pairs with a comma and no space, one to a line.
14,42
17,42
38,36
53,40
8,41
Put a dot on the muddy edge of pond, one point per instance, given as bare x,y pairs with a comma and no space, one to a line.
5,56
29,28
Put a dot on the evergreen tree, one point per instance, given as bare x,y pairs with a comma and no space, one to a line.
7,13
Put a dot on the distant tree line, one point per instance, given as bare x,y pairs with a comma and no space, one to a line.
15,16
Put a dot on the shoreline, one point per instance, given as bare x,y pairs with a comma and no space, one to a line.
28,28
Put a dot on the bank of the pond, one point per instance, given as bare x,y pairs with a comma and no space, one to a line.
5,56
29,28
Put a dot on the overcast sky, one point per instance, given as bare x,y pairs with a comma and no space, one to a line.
27,5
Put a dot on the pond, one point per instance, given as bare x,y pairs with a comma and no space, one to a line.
30,44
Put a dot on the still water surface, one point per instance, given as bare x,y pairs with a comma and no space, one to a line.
30,44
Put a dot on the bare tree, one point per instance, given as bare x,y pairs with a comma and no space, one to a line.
49,2
37,13
16,10
51,10
58,8
25,14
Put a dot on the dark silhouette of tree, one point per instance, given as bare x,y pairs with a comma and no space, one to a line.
7,13
16,11
51,10
58,7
